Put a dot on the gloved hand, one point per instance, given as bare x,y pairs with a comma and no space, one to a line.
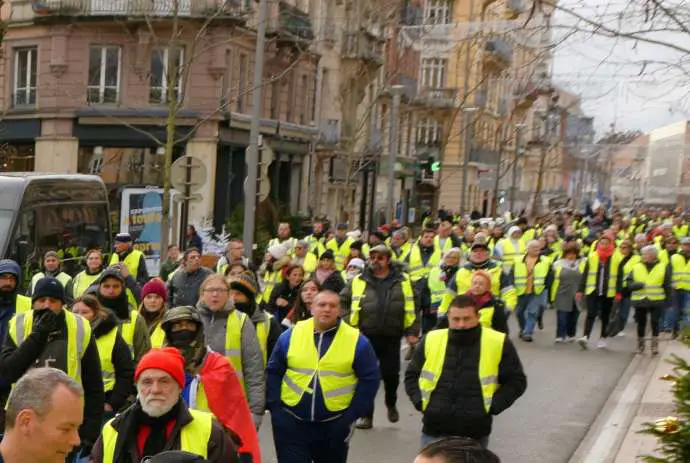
45,322
257,420
618,297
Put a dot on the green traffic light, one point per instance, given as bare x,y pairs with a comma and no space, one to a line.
435,166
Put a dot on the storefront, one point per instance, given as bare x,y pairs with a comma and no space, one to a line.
17,138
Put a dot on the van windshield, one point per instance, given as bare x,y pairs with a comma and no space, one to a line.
5,224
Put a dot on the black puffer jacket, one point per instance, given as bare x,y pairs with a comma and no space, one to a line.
122,362
456,407
382,311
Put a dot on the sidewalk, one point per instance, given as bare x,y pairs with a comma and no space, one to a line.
656,402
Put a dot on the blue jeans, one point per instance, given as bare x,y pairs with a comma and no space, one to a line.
567,323
527,310
677,312
684,310
427,439
625,311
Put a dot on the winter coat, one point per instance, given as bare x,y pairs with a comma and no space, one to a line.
215,329
334,282
15,361
220,448
569,283
283,290
274,329
184,287
122,362
382,310
456,407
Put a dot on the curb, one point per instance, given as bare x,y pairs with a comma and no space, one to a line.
606,434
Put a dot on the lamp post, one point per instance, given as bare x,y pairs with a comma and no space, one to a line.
394,123
513,180
469,138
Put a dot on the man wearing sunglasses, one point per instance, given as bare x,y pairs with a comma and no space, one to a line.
380,302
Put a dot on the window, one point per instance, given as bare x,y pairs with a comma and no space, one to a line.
304,104
25,70
104,75
166,64
242,83
428,132
434,72
437,12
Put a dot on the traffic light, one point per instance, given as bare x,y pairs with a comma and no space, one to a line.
435,166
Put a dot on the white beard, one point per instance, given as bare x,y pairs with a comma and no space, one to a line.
157,408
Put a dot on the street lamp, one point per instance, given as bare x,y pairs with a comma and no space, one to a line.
396,91
466,161
513,181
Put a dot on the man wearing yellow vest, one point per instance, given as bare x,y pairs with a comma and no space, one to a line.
305,259
132,258
322,376
680,264
160,420
400,245
284,237
340,245
51,268
651,286
381,303
317,240
424,256
511,248
532,277
211,383
11,301
232,333
50,336
460,377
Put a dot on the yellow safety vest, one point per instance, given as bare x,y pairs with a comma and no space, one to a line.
128,328
333,370
262,330
157,337
463,281
62,277
106,344
486,316
447,246
681,231
78,337
341,252
540,270
310,264
82,282
404,252
22,304
630,264
131,261
194,436
359,286
417,270
681,272
557,279
490,353
653,281
270,282
437,287
591,282
233,341
510,254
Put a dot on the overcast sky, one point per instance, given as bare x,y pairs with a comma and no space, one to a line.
611,75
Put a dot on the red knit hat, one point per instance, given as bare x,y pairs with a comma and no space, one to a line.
167,359
155,286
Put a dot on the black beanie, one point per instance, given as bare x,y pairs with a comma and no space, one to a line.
49,287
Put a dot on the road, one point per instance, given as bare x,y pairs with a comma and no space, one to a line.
566,389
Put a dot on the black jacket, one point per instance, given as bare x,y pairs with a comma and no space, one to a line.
17,360
122,362
334,283
283,290
220,448
498,321
456,407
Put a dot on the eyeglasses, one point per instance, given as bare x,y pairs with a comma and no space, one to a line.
215,290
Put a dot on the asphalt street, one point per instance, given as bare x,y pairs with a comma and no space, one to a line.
566,389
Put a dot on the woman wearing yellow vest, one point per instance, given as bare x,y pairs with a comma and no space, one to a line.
243,290
117,365
231,333
84,279
302,308
650,283
532,275
154,296
444,377
629,259
160,420
567,273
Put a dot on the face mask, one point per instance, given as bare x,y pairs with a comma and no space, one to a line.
182,339
40,313
245,307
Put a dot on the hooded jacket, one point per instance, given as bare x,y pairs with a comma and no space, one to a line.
8,300
215,328
183,286
122,362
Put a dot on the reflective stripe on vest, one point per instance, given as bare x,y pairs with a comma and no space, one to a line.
417,270
333,370
681,272
591,282
359,287
653,282
78,337
82,282
22,304
510,254
233,341
521,275
131,261
157,337
106,344
262,329
463,281
194,436
128,327
270,281
437,287
490,353
62,277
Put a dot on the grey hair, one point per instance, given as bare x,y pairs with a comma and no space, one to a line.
650,249
531,243
640,236
34,391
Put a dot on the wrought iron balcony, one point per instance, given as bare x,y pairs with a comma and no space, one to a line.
292,24
514,8
130,9
438,98
484,156
362,46
498,53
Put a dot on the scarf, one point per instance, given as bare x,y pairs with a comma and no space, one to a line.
481,299
604,252
154,441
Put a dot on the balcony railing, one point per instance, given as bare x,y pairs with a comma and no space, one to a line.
294,22
498,51
438,98
484,156
133,8
362,46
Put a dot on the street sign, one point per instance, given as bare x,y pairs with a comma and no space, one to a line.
188,173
